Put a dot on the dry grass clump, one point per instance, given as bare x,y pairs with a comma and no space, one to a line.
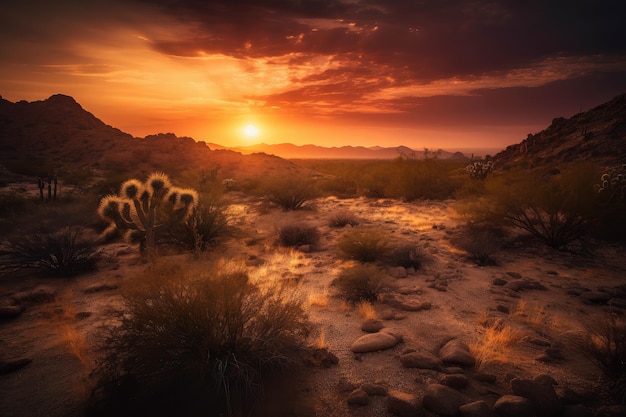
480,241
494,342
296,234
367,311
407,255
319,298
364,244
360,283
207,223
343,218
291,192
66,252
197,341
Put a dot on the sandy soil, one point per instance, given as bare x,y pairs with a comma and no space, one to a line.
59,335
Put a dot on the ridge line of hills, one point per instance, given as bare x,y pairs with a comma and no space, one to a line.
58,132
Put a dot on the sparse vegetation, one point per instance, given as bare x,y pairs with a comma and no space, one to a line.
406,254
479,170
297,234
291,192
364,244
209,336
359,283
480,241
207,223
605,345
66,252
343,218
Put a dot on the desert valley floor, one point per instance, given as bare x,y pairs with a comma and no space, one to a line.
521,318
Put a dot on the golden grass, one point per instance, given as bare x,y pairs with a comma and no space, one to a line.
319,298
495,342
320,342
367,311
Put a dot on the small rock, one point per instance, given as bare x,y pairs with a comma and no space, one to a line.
545,379
503,309
39,295
442,400
485,377
358,397
456,381
457,352
82,315
513,406
477,409
321,357
372,326
345,385
374,389
103,286
499,282
515,275
403,404
595,297
423,360
398,272
373,342
415,306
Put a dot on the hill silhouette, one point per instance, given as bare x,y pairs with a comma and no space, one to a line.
57,134
597,135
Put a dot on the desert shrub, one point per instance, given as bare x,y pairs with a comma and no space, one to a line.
605,345
406,254
557,208
290,192
359,283
480,241
296,234
611,194
364,244
479,170
343,218
66,252
143,211
422,179
214,336
207,223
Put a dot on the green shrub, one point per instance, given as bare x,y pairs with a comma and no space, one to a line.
406,255
359,283
415,179
63,253
290,192
298,234
207,223
213,336
364,244
557,208
343,218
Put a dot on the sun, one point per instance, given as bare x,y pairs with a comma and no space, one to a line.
251,131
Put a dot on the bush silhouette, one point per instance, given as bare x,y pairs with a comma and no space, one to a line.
364,244
359,283
296,234
291,192
212,334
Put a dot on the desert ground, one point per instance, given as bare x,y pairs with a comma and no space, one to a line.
521,318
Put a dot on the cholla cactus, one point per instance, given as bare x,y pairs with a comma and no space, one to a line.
142,210
613,185
479,170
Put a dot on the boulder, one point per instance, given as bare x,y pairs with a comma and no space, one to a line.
541,395
358,397
423,360
374,389
477,409
513,406
456,381
457,352
442,400
373,342
595,297
403,404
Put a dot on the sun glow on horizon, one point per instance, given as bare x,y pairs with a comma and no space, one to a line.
250,132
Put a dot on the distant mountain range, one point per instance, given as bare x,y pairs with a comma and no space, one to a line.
40,137
291,151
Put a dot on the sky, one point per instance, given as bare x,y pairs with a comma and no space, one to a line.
450,74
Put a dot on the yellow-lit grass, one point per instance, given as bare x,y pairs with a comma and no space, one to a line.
319,298
320,342
495,342
534,316
367,311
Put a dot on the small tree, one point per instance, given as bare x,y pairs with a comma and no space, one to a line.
143,210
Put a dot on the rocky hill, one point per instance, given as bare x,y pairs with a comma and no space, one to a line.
597,135
58,135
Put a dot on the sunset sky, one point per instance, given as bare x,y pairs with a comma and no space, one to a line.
449,74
